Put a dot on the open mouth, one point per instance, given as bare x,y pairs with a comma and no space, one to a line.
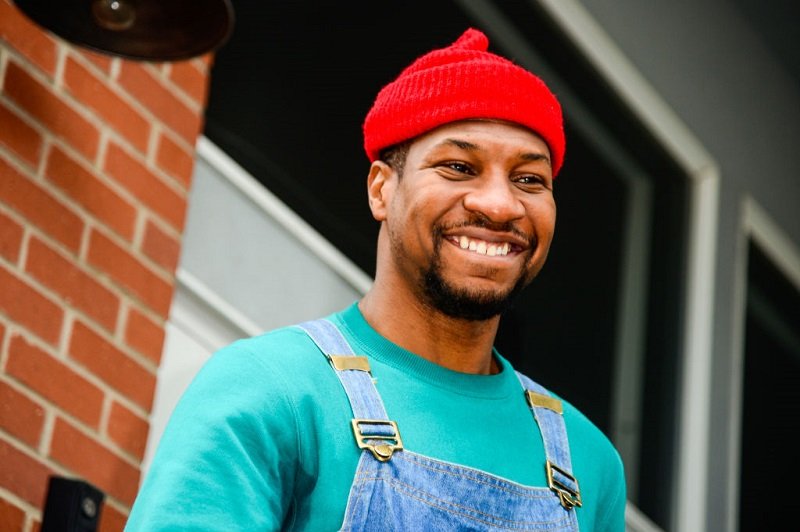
484,247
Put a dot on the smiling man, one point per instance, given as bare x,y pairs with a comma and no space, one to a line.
464,227
398,413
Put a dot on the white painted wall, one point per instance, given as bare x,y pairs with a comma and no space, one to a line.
248,265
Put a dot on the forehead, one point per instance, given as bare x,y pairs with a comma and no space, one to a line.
491,135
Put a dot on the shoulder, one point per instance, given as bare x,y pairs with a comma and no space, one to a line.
271,354
265,373
270,347
586,440
585,436
598,467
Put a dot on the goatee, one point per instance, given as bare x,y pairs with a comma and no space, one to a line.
462,302
467,304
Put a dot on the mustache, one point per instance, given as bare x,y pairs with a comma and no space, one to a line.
482,221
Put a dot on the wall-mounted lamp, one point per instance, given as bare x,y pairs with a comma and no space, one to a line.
149,30
72,505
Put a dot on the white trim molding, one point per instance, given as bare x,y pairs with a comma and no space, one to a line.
292,222
776,244
224,314
756,226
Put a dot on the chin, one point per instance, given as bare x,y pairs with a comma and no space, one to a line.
468,303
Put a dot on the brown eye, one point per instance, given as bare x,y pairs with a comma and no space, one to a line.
530,182
459,167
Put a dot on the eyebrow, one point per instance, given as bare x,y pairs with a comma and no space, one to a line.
534,157
464,145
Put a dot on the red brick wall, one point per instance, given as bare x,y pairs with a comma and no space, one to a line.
96,156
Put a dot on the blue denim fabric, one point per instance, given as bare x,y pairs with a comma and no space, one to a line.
415,492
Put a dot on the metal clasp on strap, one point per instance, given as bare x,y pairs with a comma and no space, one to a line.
570,497
389,442
544,401
346,362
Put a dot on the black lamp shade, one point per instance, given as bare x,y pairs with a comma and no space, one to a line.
150,30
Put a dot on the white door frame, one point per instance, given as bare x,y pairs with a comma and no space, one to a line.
755,226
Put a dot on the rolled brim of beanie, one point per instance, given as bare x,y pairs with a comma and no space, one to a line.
421,101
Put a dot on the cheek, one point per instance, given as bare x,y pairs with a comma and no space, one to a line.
543,217
419,213
550,221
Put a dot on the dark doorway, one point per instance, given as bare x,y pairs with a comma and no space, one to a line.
771,401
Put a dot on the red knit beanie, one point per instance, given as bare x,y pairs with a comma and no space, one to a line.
459,82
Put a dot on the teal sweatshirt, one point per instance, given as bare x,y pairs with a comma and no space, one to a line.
261,439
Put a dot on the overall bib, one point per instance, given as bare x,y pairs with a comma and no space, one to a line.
396,489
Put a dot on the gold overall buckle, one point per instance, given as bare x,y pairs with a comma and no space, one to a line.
381,451
569,497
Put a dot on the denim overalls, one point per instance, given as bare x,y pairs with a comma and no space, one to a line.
396,489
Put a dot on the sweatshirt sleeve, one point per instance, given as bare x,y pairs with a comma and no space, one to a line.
228,456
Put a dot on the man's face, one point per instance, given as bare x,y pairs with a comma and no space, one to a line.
471,219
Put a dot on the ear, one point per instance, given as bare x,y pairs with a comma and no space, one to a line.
380,183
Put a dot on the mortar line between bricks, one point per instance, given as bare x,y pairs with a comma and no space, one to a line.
82,372
46,438
18,501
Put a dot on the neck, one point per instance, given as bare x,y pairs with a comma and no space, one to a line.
457,344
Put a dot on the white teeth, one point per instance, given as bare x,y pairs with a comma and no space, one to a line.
484,248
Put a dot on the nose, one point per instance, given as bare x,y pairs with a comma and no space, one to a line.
494,197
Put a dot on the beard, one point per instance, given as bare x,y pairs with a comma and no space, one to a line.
462,302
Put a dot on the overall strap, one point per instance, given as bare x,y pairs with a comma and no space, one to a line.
371,425
547,411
